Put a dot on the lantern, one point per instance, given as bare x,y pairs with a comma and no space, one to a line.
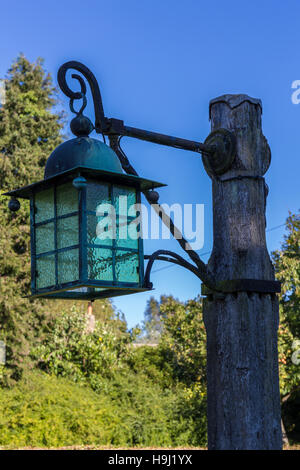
85,222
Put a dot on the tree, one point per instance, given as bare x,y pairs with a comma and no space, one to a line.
29,131
70,349
184,336
152,324
287,267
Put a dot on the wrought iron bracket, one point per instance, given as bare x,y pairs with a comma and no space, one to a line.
171,257
218,150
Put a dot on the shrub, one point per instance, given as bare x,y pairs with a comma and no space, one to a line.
128,410
69,350
47,411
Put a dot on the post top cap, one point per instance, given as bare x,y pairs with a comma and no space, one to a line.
233,101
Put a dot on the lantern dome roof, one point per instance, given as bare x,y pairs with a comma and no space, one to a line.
84,152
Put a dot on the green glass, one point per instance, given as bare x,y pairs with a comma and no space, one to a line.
66,199
127,264
45,271
105,237
123,198
67,232
100,264
44,205
126,234
96,194
110,244
44,238
68,266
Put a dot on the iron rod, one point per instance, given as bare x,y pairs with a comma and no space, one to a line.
168,140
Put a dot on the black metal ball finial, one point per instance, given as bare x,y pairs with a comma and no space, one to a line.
14,205
81,126
79,183
152,197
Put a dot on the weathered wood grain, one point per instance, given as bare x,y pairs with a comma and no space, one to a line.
242,365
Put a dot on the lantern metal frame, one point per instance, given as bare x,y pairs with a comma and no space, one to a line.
67,290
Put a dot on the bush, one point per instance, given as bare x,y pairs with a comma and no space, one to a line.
95,388
69,350
128,410
183,335
154,362
49,411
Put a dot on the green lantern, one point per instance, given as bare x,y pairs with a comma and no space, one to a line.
85,222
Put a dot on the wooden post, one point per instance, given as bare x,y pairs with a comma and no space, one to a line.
90,318
242,361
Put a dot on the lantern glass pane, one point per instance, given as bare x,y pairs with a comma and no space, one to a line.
44,238
98,232
124,201
127,264
96,194
44,205
45,271
67,232
100,264
66,199
127,234
124,197
68,266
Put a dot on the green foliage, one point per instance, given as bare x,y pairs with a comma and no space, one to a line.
132,378
184,336
287,267
69,349
157,416
179,330
129,410
28,133
152,324
46,411
154,362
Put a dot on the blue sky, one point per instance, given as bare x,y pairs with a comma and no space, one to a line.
158,64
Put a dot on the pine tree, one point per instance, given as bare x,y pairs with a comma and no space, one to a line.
29,132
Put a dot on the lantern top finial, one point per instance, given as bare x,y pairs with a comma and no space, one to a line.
81,126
